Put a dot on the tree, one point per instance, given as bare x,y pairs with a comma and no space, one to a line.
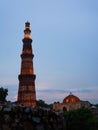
81,119
3,94
96,106
41,103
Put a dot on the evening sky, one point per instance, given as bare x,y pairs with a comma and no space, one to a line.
65,47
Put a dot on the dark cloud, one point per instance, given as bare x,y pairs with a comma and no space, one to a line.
89,90
52,95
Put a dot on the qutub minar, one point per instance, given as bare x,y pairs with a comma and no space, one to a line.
26,91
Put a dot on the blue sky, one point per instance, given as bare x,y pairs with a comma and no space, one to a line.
65,45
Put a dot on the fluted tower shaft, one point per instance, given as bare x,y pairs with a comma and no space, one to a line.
26,91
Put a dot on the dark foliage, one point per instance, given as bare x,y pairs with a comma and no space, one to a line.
81,119
41,103
3,94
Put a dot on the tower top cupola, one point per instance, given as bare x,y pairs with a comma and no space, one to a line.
27,31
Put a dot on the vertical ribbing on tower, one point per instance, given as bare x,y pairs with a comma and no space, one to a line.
26,90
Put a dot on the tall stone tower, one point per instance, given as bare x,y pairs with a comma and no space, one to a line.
26,91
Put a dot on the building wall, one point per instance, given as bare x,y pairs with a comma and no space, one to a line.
70,106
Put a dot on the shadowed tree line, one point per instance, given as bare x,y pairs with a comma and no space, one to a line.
3,94
81,119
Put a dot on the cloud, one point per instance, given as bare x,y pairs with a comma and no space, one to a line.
52,95
74,90
53,91
15,97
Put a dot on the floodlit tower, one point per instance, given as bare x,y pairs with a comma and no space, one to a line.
26,91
